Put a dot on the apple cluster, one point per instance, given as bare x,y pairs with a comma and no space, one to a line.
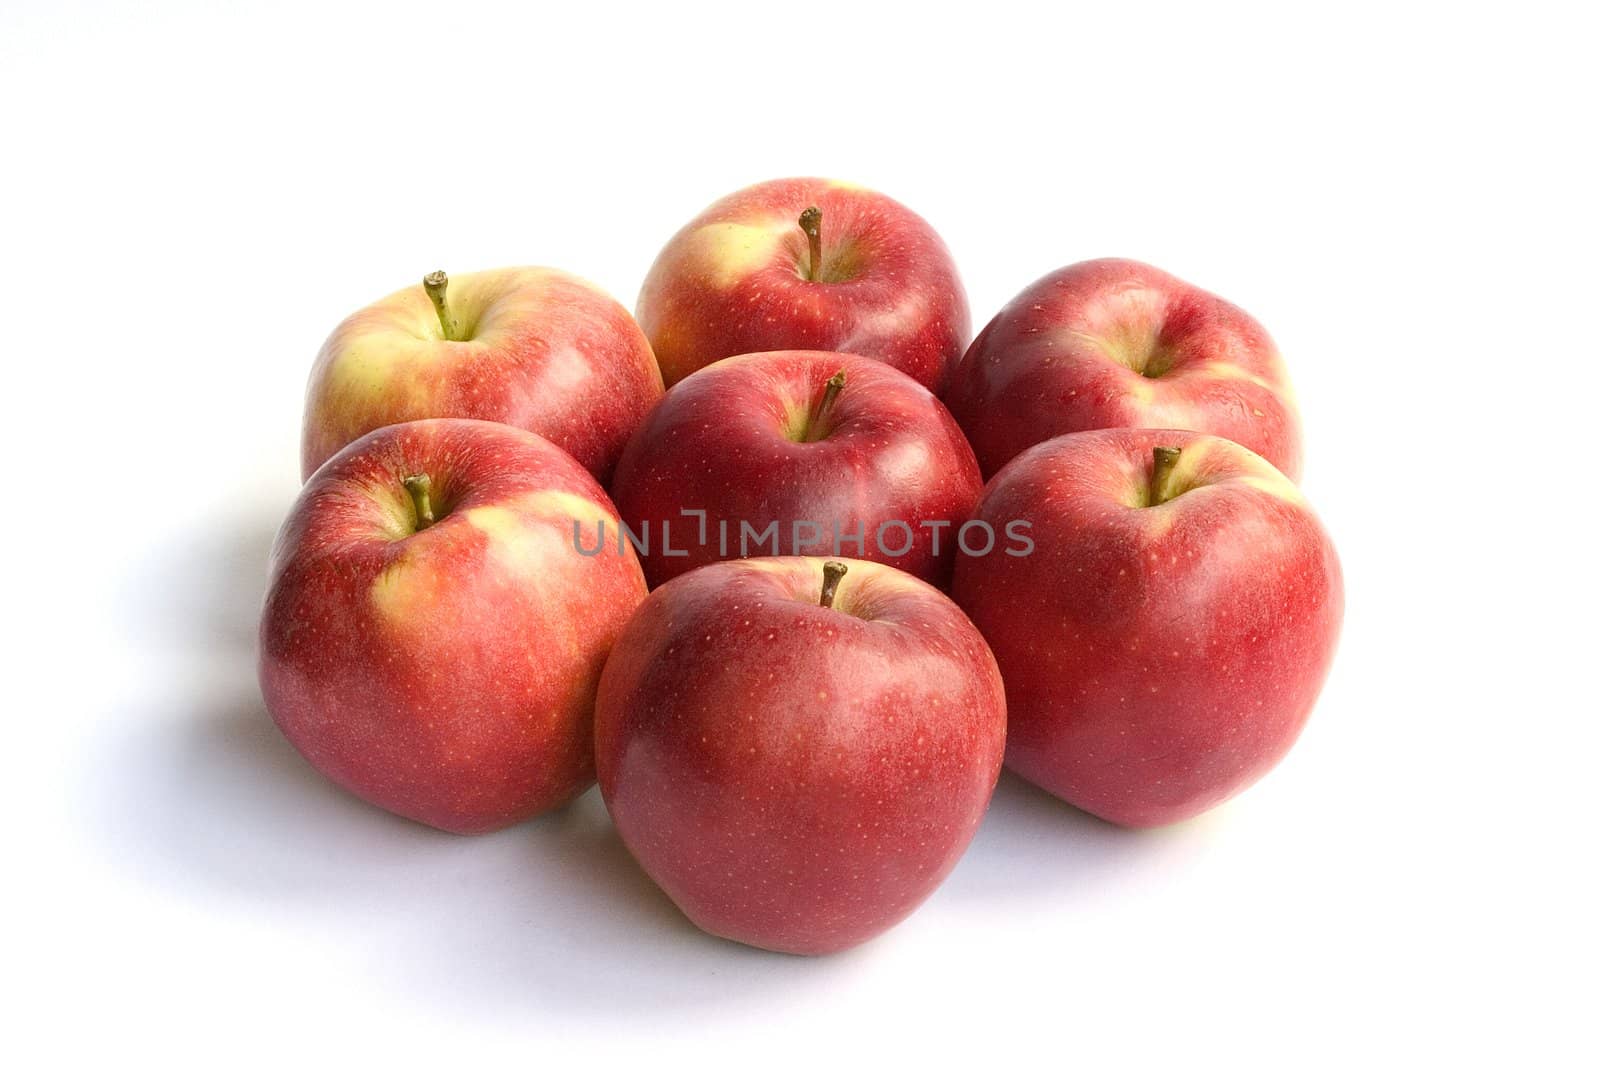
1074,545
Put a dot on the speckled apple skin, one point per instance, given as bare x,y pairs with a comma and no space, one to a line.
1063,356
795,777
720,443
447,675
548,352
734,281
1157,659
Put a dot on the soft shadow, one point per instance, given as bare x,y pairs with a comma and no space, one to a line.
1033,844
204,594
200,797
224,804
217,806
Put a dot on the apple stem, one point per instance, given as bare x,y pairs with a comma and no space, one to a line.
420,486
817,424
1161,478
811,223
435,284
832,572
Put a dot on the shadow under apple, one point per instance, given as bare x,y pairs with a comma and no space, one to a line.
223,809
1034,844
201,797
201,598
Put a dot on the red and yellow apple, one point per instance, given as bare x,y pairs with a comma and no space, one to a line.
1165,639
531,347
811,448
806,263
797,750
432,638
1112,343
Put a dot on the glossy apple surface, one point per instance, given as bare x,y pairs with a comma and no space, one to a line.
760,439
739,278
1112,343
794,776
531,347
445,671
1164,642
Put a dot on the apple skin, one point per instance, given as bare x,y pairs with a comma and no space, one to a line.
795,777
725,441
734,281
446,674
1157,659
1112,342
547,352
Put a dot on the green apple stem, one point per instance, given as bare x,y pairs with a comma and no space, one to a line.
811,223
1161,478
435,284
832,572
420,486
817,424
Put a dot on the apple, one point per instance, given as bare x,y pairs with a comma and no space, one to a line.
806,263
796,750
532,347
812,444
1113,343
432,639
1165,639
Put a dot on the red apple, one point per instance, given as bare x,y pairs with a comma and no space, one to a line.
432,639
527,346
1113,343
798,755
815,443
1164,641
806,263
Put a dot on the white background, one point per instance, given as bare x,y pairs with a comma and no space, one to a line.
192,198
